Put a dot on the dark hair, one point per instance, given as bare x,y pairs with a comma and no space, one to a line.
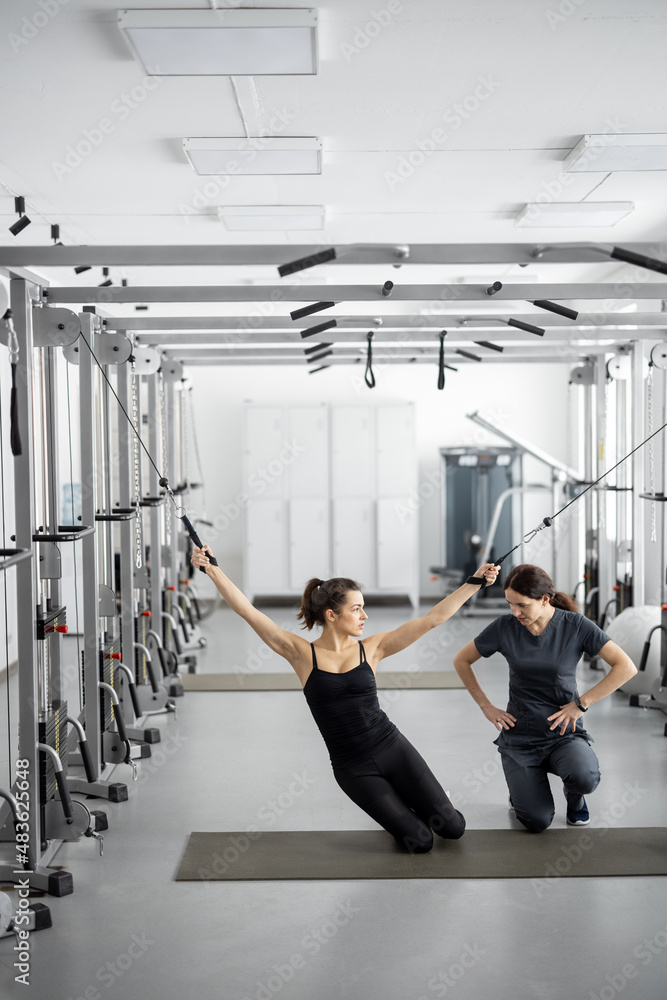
320,595
531,581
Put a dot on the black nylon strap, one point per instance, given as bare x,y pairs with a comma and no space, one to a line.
369,377
441,361
14,435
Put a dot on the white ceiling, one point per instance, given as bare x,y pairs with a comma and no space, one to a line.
554,76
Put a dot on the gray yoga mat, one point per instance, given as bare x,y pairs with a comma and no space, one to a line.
386,680
577,852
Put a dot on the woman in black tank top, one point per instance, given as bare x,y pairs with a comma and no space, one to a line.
372,761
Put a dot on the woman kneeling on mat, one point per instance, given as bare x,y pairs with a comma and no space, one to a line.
541,732
372,761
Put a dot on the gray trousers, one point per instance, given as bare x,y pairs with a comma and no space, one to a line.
526,773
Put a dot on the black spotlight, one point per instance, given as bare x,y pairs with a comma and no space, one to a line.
81,268
55,234
105,274
23,220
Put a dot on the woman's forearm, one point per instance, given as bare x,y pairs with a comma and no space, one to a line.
469,677
234,597
619,674
450,604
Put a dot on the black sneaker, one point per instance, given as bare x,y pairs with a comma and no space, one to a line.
580,817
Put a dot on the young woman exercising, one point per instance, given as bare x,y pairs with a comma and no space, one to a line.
372,761
541,732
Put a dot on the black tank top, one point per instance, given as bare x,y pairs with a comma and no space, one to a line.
346,709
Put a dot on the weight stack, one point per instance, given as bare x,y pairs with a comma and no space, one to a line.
52,730
142,624
108,655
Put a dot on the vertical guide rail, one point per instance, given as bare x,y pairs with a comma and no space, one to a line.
28,570
638,505
172,432
127,528
91,623
155,512
606,578
588,498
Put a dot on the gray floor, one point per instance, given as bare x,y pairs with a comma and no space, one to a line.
230,761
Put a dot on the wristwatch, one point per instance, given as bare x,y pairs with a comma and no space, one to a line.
477,580
579,705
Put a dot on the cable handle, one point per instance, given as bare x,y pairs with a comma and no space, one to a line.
187,524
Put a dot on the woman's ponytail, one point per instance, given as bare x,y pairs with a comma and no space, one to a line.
564,601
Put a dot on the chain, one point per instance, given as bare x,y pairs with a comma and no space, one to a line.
651,451
165,462
139,541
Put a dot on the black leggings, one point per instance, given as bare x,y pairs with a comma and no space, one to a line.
399,791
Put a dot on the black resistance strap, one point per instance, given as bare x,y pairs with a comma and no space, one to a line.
441,361
369,377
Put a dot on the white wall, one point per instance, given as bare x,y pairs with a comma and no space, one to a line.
531,400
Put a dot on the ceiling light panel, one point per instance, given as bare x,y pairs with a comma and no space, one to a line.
264,218
581,214
222,42
255,155
610,152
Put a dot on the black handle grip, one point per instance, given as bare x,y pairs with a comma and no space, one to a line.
120,725
630,257
162,653
65,796
189,527
136,707
645,651
87,759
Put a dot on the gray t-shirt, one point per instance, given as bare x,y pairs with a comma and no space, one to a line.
543,671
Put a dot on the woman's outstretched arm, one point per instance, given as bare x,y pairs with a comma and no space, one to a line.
387,643
285,643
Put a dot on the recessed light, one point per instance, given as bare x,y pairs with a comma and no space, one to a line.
584,214
250,42
609,152
257,218
255,155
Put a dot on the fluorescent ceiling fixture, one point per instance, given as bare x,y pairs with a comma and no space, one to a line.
256,155
223,42
258,218
585,214
637,151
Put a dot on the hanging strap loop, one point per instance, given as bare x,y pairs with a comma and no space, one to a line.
441,361
369,377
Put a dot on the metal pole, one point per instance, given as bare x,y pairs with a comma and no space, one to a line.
91,620
638,505
26,583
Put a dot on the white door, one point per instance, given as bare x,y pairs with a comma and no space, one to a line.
308,541
397,550
354,540
266,547
352,452
265,452
396,471
308,438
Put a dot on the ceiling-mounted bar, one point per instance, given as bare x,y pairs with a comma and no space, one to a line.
454,254
248,325
352,293
380,359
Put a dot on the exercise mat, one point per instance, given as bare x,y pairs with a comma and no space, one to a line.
372,854
387,680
